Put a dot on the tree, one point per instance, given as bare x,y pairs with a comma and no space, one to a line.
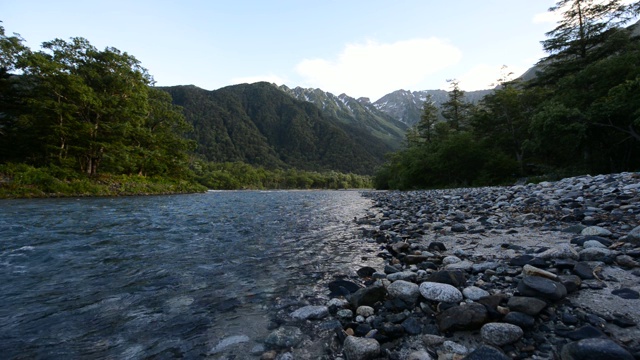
424,129
456,110
584,26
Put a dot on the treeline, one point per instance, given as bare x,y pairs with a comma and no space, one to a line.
579,114
231,176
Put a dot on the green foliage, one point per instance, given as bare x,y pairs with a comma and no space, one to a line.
237,175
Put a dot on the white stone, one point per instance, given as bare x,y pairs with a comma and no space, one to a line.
474,293
357,348
310,312
440,292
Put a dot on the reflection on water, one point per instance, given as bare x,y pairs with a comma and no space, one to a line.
166,276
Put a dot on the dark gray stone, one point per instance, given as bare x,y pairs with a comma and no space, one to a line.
466,317
526,304
594,349
541,287
584,271
284,337
486,352
368,296
521,319
452,277
626,293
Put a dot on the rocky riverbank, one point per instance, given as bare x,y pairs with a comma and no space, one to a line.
539,271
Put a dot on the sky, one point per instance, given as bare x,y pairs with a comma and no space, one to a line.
364,48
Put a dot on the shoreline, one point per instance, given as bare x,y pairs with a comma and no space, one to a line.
541,271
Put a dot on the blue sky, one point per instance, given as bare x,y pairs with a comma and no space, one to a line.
361,48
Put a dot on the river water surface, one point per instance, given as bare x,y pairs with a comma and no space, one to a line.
165,276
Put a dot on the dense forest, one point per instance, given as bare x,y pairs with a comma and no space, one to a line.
580,113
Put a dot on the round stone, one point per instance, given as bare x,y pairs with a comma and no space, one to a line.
365,311
595,231
474,293
500,333
310,312
284,337
404,290
440,292
358,348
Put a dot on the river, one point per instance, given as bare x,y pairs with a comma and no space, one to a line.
167,276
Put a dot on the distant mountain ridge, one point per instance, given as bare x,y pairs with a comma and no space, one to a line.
406,106
357,112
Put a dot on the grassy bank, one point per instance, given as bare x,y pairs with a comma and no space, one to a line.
23,181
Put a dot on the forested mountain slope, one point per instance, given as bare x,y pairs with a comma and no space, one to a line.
261,125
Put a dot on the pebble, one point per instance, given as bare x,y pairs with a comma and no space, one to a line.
595,349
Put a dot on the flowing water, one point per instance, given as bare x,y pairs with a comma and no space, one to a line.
165,276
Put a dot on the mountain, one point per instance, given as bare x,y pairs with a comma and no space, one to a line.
262,125
406,106
360,113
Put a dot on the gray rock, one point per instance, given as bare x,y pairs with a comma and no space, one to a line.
228,342
310,312
634,236
521,319
537,286
440,292
594,349
596,254
403,275
357,348
482,267
419,355
365,311
368,296
500,333
453,347
450,260
464,265
284,337
474,293
528,305
451,277
344,314
404,290
593,243
486,352
466,317
563,251
596,231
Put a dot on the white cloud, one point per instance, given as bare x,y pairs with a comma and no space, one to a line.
485,76
252,79
374,69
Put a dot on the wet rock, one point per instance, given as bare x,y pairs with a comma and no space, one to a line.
357,348
419,355
229,342
521,260
474,293
365,272
633,236
404,290
541,287
584,271
596,231
520,319
412,326
486,352
440,292
310,312
342,287
597,254
451,277
368,296
464,317
365,311
626,293
564,251
626,261
594,349
571,282
402,275
584,332
623,321
500,333
284,337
